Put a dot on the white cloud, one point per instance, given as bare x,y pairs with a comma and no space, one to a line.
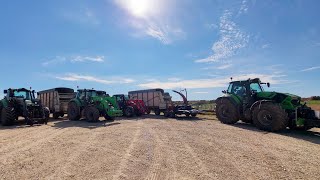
73,59
174,79
244,7
212,83
311,68
232,39
87,58
201,92
81,15
151,18
78,77
265,46
225,66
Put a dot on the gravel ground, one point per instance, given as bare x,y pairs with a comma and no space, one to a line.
156,148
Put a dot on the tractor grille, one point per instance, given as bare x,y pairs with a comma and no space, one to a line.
34,111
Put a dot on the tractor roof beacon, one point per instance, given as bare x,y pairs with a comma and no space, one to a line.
270,111
92,104
22,102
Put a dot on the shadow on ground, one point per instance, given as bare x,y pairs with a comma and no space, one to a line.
83,124
311,135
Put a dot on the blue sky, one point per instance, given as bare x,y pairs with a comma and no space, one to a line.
123,45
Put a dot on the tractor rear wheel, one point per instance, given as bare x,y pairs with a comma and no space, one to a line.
129,111
8,116
227,112
73,111
92,114
270,117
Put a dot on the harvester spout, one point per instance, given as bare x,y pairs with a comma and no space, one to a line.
185,100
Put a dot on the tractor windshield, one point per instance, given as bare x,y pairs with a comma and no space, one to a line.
22,94
255,87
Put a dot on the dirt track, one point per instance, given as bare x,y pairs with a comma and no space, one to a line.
151,148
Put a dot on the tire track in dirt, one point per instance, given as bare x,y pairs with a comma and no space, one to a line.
229,152
161,167
181,144
126,157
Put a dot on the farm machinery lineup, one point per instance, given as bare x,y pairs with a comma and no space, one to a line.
270,111
161,102
22,103
92,104
129,106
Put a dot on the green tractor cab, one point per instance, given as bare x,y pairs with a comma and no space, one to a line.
92,104
22,103
270,111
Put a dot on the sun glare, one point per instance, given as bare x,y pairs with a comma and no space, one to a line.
139,8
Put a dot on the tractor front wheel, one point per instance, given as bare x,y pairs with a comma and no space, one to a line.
92,114
227,112
109,118
73,111
129,111
8,116
270,117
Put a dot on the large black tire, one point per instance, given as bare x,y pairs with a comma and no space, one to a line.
56,115
92,114
8,116
270,117
129,111
109,118
157,112
193,115
73,111
227,112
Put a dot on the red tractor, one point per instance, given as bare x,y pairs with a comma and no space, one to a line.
130,107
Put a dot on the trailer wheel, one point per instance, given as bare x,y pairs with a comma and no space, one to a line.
270,117
8,116
56,115
193,115
157,112
73,111
188,114
62,114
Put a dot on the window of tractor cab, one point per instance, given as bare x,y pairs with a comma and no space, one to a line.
255,87
22,94
126,97
237,89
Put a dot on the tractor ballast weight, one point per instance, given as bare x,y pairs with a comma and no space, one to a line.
129,106
93,104
22,103
270,111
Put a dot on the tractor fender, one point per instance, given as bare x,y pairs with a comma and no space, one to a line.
258,103
4,103
76,101
233,101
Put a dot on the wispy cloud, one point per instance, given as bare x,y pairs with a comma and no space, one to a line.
311,69
232,39
212,83
265,46
78,77
153,23
73,59
81,15
225,66
201,92
244,7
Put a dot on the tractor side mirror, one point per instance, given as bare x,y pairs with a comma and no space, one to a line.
224,92
268,84
5,91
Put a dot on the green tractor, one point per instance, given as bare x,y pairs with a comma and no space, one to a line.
269,111
92,104
22,102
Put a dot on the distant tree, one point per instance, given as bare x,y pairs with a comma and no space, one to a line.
315,98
